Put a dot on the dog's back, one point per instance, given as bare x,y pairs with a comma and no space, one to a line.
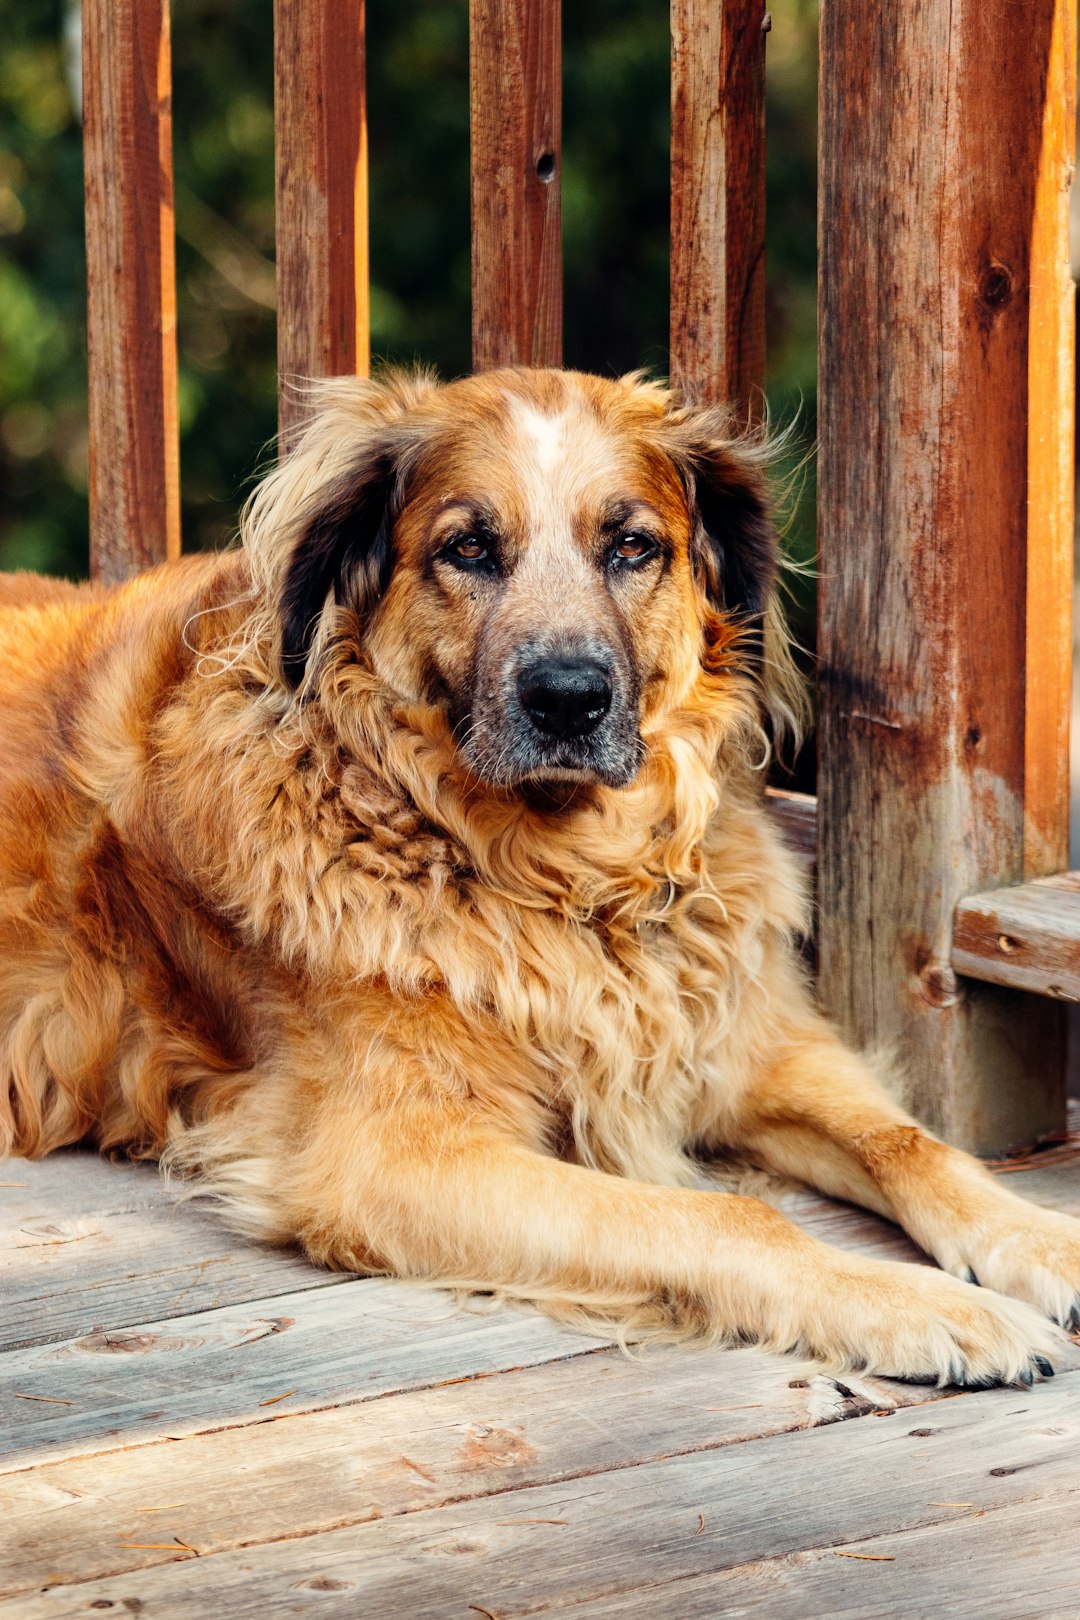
34,590
83,670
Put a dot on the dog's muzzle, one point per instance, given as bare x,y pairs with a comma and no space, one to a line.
555,713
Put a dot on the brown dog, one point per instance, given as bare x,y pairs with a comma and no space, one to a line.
405,876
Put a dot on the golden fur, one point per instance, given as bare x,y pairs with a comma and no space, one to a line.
287,901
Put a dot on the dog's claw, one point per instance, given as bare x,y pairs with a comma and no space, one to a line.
1027,1378
1044,1366
965,1381
970,1277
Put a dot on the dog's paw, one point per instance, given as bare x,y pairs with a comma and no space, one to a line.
1030,1254
915,1323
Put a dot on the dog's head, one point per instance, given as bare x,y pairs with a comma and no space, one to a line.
548,557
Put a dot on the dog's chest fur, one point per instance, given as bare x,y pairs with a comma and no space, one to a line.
624,998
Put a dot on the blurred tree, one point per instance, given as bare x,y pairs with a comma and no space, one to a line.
42,296
615,211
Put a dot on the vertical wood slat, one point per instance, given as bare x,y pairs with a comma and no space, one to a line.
131,286
1051,428
718,201
515,92
320,122
941,161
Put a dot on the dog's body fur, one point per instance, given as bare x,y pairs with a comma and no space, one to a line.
287,900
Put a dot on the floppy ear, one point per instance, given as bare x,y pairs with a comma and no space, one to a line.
319,525
733,540
734,546
344,547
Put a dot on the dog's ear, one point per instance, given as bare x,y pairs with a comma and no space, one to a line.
734,546
343,548
319,527
733,540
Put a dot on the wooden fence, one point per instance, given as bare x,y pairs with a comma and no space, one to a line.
946,417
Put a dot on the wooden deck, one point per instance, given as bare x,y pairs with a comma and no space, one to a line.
193,1426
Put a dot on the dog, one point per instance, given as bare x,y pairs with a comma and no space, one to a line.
404,876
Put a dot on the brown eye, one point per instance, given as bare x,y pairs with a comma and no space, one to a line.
467,549
633,548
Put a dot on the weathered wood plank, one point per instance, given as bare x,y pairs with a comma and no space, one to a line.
131,286
298,1475
73,1182
515,91
320,124
1051,429
1056,1187
718,201
933,543
597,1535
856,1230
1027,937
184,1374
88,1273
1019,1563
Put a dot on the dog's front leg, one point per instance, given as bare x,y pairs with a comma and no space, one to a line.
818,1112
427,1190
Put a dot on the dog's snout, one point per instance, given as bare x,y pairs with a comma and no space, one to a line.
565,697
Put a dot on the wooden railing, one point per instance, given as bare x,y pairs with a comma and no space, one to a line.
946,413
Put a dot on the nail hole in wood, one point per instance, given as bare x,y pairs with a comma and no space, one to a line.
545,167
1007,945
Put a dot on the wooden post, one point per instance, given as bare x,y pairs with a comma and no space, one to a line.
718,201
320,120
131,286
515,89
945,529
1051,481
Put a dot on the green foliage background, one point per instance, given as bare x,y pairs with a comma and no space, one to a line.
615,226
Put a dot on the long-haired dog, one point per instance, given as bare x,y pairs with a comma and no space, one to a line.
404,875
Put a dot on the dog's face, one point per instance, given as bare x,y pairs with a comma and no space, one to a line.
541,554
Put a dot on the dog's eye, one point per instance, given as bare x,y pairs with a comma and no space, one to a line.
630,549
467,548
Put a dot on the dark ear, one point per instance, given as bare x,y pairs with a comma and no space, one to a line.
733,540
343,547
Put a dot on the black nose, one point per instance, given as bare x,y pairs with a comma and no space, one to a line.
565,697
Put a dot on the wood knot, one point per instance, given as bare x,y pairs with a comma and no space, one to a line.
995,285
938,986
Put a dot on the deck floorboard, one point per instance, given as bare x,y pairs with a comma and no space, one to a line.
309,1444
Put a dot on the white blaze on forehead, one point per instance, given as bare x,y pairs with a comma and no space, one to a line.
547,434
